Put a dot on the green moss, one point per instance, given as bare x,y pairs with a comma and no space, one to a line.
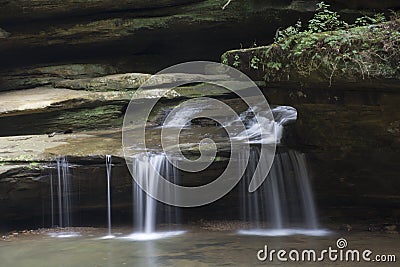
94,118
201,90
35,166
24,158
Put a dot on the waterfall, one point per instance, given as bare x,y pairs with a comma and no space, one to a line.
145,204
303,184
64,193
108,169
284,203
52,198
147,211
145,167
286,193
64,199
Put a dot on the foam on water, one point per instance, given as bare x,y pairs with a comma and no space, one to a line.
140,236
107,237
65,234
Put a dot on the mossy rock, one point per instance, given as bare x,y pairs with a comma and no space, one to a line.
365,56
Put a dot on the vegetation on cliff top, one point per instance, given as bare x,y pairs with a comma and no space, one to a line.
327,49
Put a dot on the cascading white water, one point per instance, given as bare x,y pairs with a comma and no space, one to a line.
283,201
285,198
64,193
108,169
303,182
260,131
52,198
145,167
182,118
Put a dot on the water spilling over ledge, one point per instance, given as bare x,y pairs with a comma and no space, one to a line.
62,198
285,197
282,205
145,207
108,169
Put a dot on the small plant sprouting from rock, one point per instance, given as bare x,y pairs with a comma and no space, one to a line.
325,20
236,63
254,62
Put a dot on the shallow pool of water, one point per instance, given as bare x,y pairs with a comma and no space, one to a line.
195,247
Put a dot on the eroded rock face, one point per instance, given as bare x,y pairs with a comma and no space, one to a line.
25,194
25,191
28,163
24,78
145,36
136,35
93,104
23,9
46,110
128,81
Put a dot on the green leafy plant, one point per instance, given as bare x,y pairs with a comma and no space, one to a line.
288,32
325,20
236,63
254,62
366,20
274,65
225,60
